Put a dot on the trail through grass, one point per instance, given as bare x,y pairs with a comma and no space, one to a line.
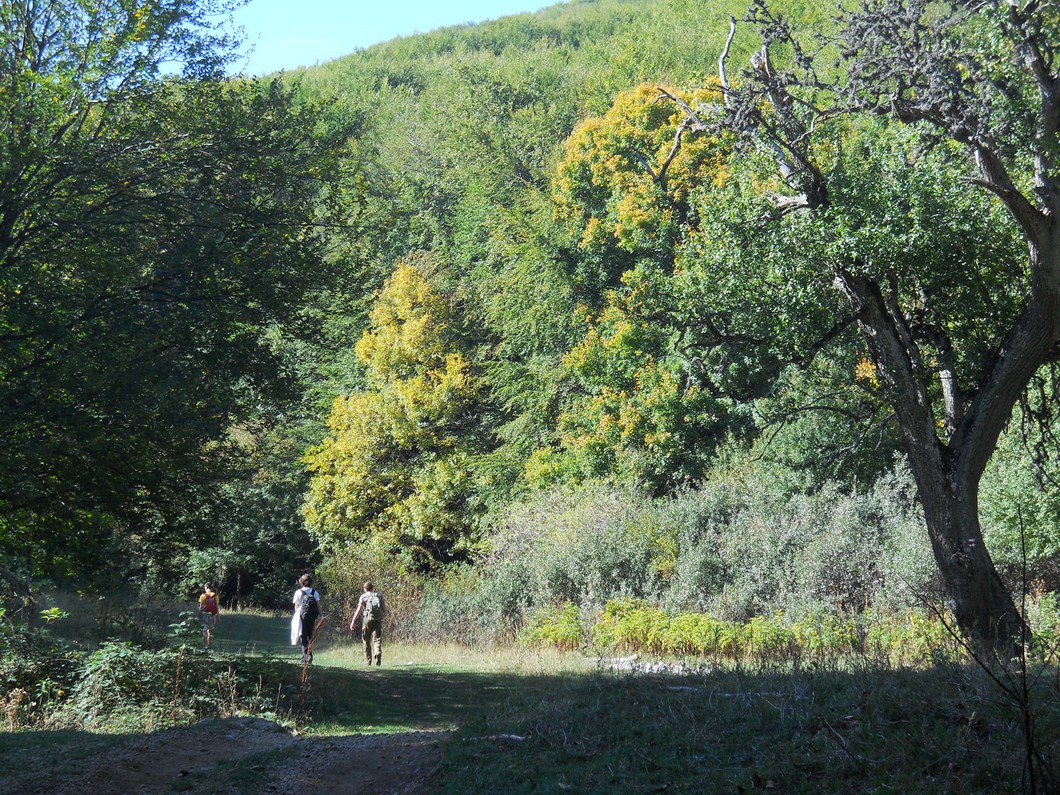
536,722
419,687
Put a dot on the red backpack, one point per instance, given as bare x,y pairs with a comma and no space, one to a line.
209,604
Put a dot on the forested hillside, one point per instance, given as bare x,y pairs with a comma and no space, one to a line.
548,309
583,289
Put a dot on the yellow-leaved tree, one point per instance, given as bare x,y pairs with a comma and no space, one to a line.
395,467
622,188
622,192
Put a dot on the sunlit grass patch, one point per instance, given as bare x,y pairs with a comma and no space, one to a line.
448,657
426,688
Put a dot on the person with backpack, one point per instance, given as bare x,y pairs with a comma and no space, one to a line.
208,612
306,602
370,605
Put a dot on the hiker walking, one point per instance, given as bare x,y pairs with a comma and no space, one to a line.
370,605
208,612
306,603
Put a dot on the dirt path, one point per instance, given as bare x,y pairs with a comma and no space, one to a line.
248,755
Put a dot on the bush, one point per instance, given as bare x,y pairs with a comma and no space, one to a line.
584,546
634,626
120,680
124,687
735,548
36,674
560,627
911,639
341,578
463,607
746,549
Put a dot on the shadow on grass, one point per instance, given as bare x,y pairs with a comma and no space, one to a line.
208,759
65,750
938,730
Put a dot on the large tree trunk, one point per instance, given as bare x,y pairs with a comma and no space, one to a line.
981,604
948,475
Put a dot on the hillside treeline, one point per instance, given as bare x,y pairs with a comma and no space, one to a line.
509,324
574,289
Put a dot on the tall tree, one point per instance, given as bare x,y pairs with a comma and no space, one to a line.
982,76
157,233
395,468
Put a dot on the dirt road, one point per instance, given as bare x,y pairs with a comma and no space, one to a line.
247,755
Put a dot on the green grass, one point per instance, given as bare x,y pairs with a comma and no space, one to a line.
542,721
938,730
422,687
254,633
826,729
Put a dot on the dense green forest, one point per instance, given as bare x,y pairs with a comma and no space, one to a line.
559,308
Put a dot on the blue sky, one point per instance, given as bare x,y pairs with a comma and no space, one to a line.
286,34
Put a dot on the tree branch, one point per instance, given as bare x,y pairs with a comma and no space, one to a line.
722,78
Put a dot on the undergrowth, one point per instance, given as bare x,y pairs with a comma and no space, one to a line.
127,687
637,626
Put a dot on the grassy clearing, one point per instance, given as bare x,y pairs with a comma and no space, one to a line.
535,721
935,730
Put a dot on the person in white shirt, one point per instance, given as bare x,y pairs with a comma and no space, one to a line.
306,604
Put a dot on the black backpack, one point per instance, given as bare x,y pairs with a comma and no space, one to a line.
308,609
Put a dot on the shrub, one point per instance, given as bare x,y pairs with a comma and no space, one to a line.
766,639
911,639
827,551
341,577
463,607
827,636
560,627
124,687
36,674
736,548
121,684
631,625
584,546
1043,615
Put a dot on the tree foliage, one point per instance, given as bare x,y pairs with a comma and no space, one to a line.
978,86
395,467
152,228
629,282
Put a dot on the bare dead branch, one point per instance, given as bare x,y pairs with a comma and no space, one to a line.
721,62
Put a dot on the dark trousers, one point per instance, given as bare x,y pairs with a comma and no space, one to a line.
307,635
